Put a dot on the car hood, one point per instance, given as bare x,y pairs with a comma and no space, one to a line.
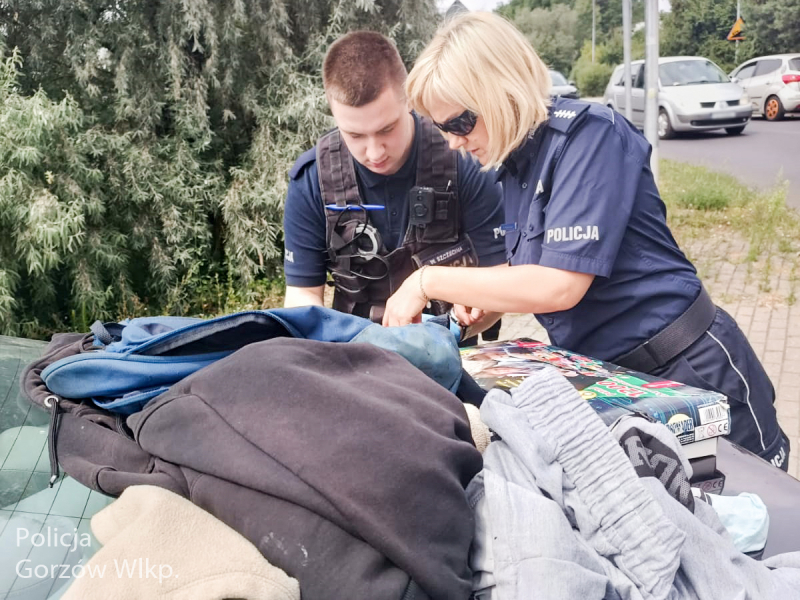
704,92
562,90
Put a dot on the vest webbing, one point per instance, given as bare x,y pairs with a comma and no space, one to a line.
364,272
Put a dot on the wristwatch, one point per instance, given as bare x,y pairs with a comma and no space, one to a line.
459,330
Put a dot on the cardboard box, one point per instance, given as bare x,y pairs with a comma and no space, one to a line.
695,416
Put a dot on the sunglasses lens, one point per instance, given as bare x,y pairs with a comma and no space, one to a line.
461,125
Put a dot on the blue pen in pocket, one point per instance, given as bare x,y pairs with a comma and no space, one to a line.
355,207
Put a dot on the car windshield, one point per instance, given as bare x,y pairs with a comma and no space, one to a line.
794,64
557,78
690,72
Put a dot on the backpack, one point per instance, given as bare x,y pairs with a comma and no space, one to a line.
139,359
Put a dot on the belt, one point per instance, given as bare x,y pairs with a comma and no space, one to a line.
674,338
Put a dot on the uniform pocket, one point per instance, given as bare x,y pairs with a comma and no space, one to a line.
531,235
534,226
733,388
512,241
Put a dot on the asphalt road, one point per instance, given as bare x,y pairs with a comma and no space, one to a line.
761,156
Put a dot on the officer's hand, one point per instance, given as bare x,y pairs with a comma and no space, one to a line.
467,315
406,304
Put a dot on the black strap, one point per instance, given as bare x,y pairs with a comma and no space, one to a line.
107,333
674,338
437,168
337,173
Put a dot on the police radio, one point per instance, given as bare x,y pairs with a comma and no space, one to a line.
421,204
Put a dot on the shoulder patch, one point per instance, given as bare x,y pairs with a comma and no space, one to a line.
565,113
306,158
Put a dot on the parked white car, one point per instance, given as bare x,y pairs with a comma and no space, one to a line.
562,87
694,95
773,84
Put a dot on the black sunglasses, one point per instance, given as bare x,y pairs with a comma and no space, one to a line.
461,125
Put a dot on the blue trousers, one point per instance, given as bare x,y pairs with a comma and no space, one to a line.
722,360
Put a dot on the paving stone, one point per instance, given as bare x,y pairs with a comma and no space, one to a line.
790,381
779,328
788,410
790,425
775,344
773,371
787,391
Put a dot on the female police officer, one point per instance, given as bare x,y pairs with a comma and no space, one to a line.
589,250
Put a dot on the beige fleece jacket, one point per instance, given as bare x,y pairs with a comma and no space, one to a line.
158,545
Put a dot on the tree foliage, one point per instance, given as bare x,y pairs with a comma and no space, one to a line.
144,146
700,27
552,32
773,26
592,77
561,32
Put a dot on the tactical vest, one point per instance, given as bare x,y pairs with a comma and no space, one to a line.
364,272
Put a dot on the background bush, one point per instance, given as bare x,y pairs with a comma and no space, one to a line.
591,77
144,147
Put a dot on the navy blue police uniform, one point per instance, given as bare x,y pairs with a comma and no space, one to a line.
305,260
580,196
475,200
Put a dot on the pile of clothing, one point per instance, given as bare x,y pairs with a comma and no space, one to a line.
353,471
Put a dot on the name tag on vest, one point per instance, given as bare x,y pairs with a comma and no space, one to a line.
460,253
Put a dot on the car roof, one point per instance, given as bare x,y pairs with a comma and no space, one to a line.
787,55
668,59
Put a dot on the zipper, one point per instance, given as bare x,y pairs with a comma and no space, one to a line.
51,402
119,423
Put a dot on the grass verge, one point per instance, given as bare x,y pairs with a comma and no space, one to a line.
717,219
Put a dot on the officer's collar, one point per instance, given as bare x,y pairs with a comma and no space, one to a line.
372,180
519,161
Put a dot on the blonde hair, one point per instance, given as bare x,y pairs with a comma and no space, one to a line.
482,62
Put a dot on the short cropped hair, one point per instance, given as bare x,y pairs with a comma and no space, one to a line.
481,62
359,66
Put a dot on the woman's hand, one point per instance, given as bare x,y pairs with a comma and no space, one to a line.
406,304
467,315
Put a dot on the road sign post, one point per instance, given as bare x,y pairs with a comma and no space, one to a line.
651,82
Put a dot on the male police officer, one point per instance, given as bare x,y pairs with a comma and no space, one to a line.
382,194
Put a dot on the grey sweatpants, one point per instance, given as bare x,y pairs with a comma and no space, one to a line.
561,514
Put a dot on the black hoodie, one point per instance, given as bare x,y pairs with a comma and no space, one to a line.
342,463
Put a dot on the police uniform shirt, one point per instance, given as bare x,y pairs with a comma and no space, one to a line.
304,217
580,196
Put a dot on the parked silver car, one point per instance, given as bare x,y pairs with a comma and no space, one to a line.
773,84
562,87
694,94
